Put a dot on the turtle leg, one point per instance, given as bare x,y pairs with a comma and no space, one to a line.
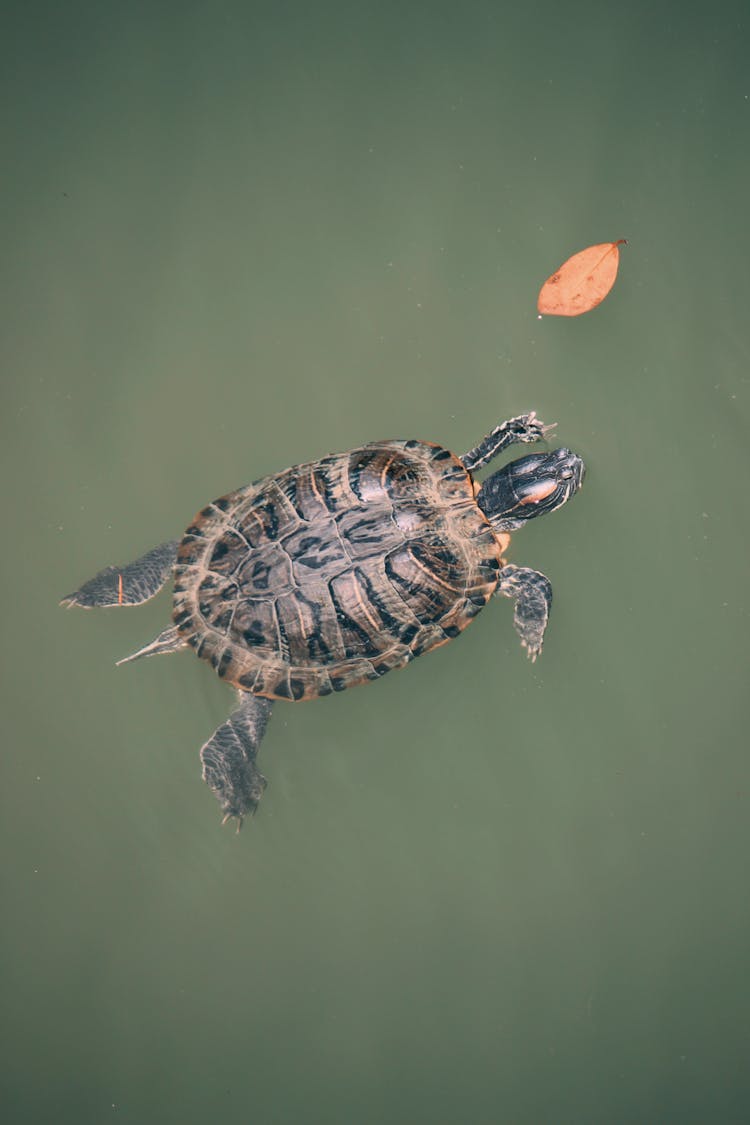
533,596
524,428
127,585
229,758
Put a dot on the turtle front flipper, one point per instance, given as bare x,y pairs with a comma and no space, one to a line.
127,585
524,428
229,758
533,597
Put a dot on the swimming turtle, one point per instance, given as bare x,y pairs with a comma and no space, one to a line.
332,573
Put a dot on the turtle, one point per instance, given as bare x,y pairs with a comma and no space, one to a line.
330,574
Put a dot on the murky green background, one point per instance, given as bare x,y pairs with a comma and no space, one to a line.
244,235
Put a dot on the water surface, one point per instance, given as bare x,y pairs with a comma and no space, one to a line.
481,890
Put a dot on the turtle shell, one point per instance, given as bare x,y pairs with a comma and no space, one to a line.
330,574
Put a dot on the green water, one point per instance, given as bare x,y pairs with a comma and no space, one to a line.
480,891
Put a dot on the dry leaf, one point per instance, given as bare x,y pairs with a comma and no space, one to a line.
581,282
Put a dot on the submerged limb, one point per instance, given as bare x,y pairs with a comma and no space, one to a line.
229,758
532,592
127,585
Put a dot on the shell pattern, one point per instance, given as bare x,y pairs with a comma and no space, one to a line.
330,574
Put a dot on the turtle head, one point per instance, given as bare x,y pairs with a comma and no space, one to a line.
524,489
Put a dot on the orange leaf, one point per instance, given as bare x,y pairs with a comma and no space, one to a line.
581,282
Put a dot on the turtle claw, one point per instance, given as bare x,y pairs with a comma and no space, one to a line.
534,428
233,816
533,645
250,810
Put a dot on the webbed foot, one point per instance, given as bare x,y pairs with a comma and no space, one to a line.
532,592
229,759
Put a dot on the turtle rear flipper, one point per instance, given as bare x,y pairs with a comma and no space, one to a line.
127,585
229,758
